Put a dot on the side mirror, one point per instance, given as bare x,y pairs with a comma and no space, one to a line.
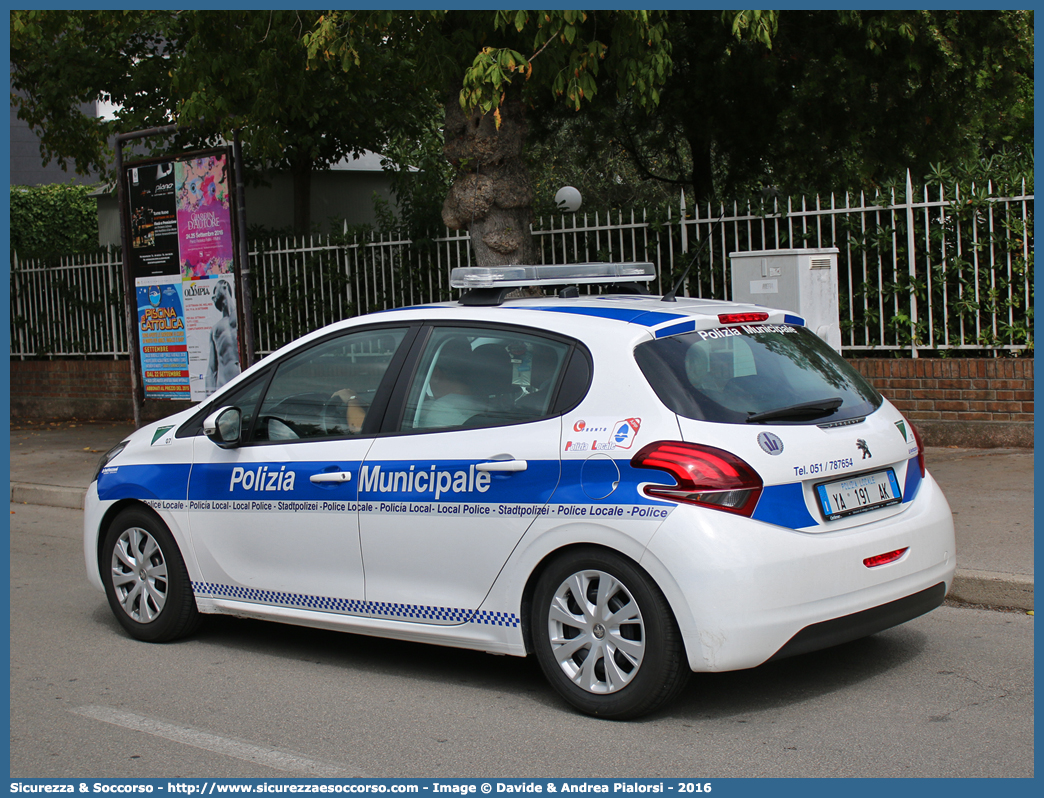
224,427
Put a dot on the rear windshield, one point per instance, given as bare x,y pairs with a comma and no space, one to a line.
760,373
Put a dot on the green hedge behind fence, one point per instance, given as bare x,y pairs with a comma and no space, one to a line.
52,221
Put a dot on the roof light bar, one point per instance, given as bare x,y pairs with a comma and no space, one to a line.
468,277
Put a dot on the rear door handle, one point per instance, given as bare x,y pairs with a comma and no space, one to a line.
331,476
503,465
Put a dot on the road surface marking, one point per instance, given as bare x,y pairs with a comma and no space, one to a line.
258,754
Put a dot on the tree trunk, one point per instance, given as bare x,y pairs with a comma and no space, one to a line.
491,196
302,177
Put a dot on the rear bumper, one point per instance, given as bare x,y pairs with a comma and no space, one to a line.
744,592
861,624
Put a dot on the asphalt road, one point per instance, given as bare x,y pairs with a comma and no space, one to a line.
946,695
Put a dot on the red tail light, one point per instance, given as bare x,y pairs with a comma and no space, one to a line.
920,448
742,318
704,475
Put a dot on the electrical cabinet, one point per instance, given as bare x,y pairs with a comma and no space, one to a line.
800,280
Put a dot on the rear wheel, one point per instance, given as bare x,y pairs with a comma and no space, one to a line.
145,578
605,636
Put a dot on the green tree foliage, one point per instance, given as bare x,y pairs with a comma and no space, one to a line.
721,101
250,69
63,59
211,72
826,100
491,67
484,56
609,182
52,221
421,176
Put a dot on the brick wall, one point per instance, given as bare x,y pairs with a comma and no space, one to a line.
962,402
976,403
954,390
80,389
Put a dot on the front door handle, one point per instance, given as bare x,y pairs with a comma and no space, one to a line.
503,465
331,476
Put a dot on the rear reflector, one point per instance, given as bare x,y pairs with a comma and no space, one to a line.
704,475
884,559
742,318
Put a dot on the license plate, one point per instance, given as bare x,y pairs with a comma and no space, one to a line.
858,494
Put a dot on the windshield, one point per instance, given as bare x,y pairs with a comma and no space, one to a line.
758,373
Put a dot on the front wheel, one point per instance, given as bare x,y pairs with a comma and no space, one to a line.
605,636
145,578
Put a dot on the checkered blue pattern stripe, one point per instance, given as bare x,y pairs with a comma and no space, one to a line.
373,609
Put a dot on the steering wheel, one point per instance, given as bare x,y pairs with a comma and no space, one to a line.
278,429
334,416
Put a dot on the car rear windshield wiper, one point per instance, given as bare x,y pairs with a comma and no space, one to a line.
817,407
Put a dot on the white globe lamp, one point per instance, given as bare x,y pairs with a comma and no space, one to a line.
568,199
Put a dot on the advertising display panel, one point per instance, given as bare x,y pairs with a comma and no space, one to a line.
183,262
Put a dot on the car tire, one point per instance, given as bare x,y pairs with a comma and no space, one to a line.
145,578
617,652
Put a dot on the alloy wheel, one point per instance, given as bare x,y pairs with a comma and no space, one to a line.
139,575
596,631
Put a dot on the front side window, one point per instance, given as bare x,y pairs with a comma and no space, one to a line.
755,374
327,391
475,377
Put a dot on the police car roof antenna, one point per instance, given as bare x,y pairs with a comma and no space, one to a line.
671,296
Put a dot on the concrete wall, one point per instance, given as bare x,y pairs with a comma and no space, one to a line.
982,403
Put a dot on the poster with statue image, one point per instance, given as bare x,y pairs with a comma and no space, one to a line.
212,330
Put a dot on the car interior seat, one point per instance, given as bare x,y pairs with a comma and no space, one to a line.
543,370
491,373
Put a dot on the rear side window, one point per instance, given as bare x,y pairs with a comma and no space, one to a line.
483,377
769,373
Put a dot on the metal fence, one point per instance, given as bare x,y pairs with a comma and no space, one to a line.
72,307
919,271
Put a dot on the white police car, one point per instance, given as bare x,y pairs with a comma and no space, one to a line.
628,488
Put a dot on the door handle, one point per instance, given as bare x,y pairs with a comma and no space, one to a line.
331,476
503,465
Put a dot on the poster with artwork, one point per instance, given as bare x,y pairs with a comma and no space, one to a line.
212,329
161,332
204,217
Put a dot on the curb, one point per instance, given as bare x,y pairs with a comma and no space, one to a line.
987,588
47,495
990,588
